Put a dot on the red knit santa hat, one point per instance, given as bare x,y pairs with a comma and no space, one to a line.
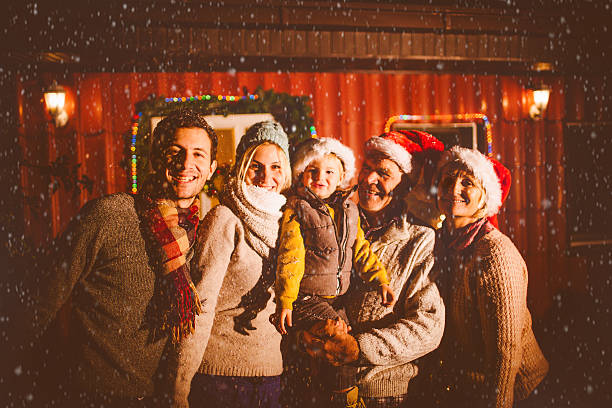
505,180
430,151
401,145
495,178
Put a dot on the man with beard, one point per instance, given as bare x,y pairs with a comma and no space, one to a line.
123,267
389,339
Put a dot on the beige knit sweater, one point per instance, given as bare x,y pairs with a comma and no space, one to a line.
489,346
229,262
391,338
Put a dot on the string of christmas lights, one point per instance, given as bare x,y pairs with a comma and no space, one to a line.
313,132
207,97
134,160
459,116
227,98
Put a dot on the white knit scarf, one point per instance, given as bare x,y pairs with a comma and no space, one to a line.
260,213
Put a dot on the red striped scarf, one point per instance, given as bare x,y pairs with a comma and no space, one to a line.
173,231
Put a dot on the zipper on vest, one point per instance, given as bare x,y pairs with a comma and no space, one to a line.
342,248
340,252
341,242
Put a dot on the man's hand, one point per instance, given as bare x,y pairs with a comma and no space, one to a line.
388,297
329,328
329,341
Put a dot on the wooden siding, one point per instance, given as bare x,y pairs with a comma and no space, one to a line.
348,106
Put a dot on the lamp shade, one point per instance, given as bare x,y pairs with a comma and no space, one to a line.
540,98
55,97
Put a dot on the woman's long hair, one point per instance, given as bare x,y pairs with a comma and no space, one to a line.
242,165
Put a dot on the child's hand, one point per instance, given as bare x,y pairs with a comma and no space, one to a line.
388,297
285,318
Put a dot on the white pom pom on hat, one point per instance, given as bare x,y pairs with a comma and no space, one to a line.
314,148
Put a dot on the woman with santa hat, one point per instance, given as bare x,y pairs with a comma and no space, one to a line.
489,355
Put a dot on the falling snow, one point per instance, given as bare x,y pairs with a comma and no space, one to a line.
358,68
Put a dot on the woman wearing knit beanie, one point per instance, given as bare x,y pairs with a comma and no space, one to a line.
488,355
234,348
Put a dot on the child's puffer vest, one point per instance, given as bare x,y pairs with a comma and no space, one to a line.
329,247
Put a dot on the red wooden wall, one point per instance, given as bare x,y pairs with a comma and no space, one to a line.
348,106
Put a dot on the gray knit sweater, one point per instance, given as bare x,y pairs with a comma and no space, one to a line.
232,255
390,339
103,267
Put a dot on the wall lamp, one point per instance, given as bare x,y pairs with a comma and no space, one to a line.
55,98
540,102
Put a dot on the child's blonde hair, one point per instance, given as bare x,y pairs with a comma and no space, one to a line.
318,147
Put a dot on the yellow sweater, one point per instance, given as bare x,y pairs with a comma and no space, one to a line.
291,259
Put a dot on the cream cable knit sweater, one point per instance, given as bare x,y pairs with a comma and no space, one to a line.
230,267
390,339
488,334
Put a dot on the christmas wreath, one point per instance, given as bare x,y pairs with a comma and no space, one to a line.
292,112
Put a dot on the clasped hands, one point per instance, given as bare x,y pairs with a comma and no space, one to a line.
329,340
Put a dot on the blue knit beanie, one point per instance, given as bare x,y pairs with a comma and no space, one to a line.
261,132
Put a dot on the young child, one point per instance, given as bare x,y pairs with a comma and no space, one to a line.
321,239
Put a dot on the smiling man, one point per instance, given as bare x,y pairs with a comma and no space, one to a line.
123,265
